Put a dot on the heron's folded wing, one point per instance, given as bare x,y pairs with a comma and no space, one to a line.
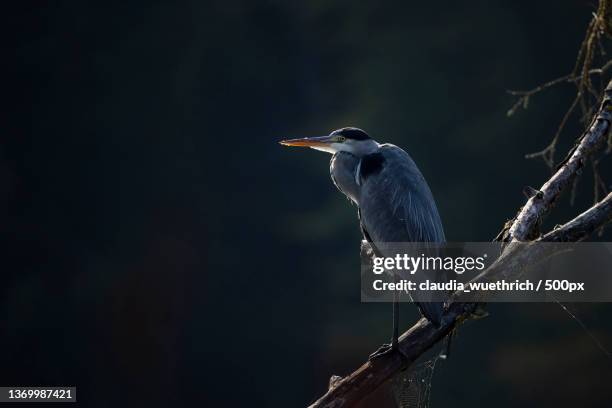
396,203
396,206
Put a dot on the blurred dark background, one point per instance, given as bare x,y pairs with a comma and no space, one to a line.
160,248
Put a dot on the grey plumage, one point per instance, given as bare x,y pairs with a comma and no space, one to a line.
343,170
395,204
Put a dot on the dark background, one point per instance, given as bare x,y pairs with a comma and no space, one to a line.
159,248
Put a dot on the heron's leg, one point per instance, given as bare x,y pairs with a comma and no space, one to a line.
393,347
395,335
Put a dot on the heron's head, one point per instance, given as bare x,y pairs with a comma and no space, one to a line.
349,139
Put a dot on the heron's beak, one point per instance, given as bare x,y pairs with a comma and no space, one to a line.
314,142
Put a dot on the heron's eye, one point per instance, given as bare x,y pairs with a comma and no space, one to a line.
340,139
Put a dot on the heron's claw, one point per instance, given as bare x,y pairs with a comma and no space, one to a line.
384,350
387,350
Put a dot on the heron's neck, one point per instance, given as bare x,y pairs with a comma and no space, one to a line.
365,147
343,169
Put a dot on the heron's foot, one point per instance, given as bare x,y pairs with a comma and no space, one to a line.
388,350
382,351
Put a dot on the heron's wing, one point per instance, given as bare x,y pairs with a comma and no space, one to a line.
396,204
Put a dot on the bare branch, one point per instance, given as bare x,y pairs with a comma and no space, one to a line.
586,94
524,96
548,154
526,223
583,225
371,375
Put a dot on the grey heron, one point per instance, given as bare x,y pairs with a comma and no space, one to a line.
393,199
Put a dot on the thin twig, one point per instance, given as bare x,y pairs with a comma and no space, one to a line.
586,93
548,154
569,78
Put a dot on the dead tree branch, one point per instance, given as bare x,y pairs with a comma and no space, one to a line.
525,96
525,225
583,225
586,93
